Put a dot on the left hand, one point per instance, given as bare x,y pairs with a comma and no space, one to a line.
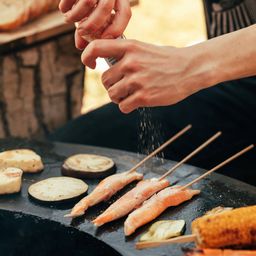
145,75
104,18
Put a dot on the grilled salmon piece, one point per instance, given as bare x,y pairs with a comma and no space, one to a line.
104,191
131,200
157,204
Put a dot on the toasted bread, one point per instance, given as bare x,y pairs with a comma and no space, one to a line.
25,159
15,13
10,180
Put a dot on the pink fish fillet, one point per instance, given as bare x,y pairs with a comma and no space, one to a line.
104,190
131,200
157,204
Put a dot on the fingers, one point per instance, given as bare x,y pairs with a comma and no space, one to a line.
98,18
111,77
104,49
79,41
80,10
131,103
119,91
66,5
121,19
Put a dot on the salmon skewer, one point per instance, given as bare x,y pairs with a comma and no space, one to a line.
205,237
143,191
131,200
152,208
112,184
104,190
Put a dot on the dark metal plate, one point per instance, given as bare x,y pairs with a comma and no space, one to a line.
108,240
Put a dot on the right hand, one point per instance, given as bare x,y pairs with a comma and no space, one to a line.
93,15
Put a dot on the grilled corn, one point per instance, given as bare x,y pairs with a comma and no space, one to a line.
234,228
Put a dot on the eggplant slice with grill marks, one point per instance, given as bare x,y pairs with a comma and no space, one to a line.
57,190
88,166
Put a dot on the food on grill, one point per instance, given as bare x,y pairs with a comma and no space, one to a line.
131,200
15,13
25,159
104,191
88,166
234,228
231,229
218,252
58,189
153,207
10,180
114,183
218,209
164,229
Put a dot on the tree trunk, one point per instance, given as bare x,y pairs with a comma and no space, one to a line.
41,88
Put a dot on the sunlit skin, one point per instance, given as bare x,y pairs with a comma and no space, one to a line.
92,19
148,75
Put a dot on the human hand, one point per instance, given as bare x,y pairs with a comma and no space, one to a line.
107,18
146,75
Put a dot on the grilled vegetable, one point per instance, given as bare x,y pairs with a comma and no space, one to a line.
10,180
162,230
58,189
234,228
88,166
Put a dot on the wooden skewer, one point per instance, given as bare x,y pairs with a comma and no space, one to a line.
181,239
197,150
219,166
172,139
192,237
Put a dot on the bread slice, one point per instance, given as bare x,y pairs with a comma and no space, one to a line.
15,13
25,159
12,14
10,180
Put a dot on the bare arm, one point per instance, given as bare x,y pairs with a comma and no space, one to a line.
228,57
148,75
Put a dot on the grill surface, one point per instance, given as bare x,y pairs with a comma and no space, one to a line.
28,228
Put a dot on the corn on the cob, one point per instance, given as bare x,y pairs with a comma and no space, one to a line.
234,228
217,252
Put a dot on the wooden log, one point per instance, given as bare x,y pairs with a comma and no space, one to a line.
41,88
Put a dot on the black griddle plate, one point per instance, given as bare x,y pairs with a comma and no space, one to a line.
216,190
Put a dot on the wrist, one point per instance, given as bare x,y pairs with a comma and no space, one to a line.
202,68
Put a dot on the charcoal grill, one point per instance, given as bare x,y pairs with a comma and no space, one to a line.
28,228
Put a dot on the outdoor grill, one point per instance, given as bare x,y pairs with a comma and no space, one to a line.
28,228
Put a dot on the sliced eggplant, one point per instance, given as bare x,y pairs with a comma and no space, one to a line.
58,189
88,166
162,230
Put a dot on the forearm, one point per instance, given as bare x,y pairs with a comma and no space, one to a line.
228,57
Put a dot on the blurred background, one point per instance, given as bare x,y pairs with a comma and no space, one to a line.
166,22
